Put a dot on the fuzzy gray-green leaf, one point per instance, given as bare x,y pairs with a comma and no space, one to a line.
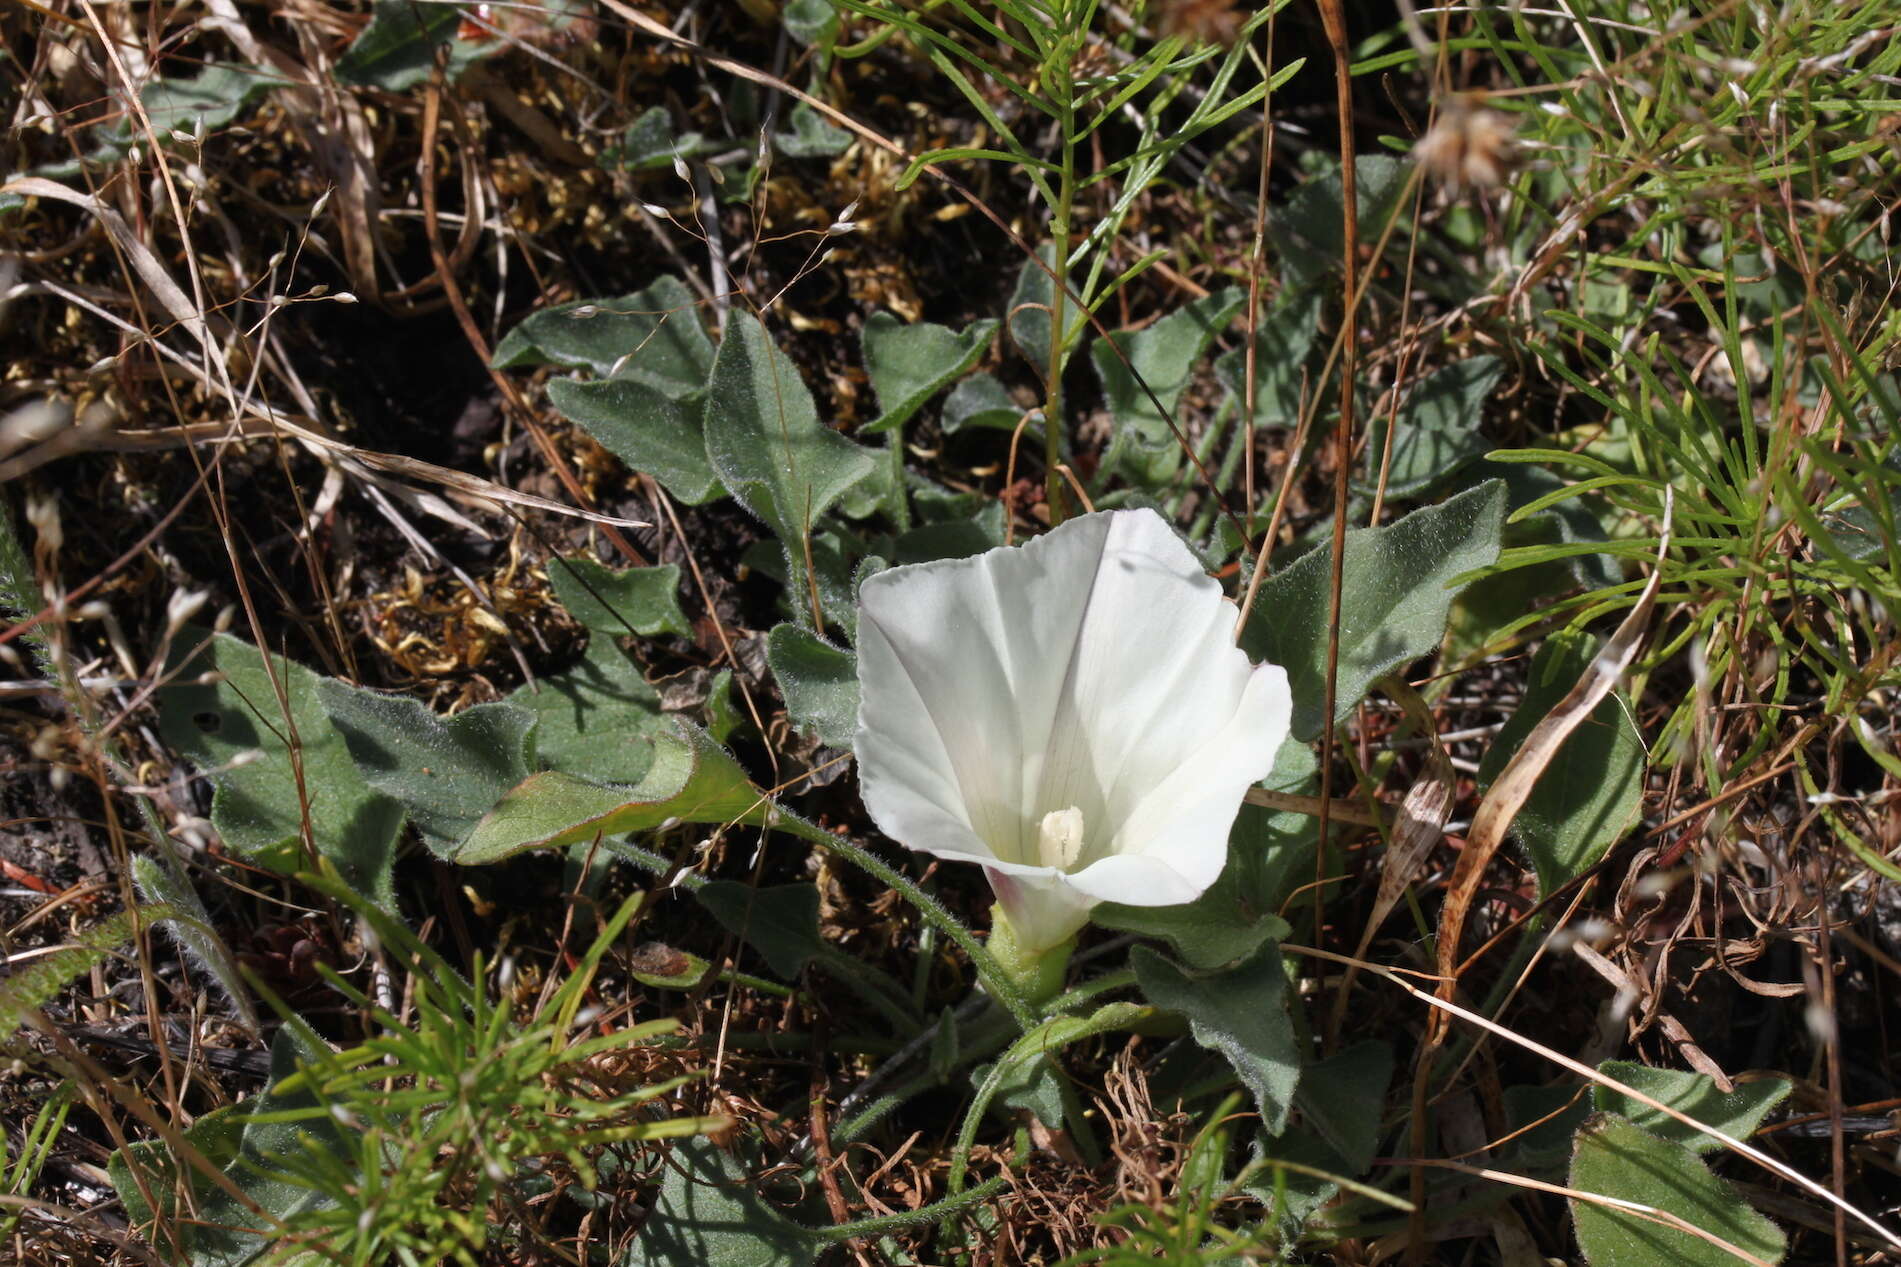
819,682
908,363
446,771
1164,355
692,780
600,719
257,807
1613,1157
766,445
1437,428
708,1212
643,427
397,50
636,601
1393,603
779,921
1240,1013
652,337
1737,1114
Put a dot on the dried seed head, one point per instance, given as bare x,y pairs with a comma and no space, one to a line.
658,959
1201,21
1468,146
43,513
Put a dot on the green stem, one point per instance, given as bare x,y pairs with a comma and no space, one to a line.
1060,88
1217,431
921,970
900,505
1088,990
948,1207
1106,1019
1001,987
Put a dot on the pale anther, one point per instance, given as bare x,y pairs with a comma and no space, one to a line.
1059,838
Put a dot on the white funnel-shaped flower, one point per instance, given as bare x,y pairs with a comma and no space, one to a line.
1072,715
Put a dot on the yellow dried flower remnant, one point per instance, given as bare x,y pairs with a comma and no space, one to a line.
1469,146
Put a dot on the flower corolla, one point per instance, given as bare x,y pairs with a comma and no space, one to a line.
1071,714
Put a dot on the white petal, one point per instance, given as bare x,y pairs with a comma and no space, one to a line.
1044,909
1094,668
1157,684
960,665
1138,881
1180,828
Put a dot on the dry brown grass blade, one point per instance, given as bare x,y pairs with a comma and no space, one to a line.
144,263
446,277
1333,17
1521,774
1494,818
1422,816
486,494
1420,826
1339,811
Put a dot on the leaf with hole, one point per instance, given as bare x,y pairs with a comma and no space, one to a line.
1393,605
1612,1157
257,807
910,363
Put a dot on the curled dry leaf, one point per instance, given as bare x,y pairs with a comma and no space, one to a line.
1514,785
